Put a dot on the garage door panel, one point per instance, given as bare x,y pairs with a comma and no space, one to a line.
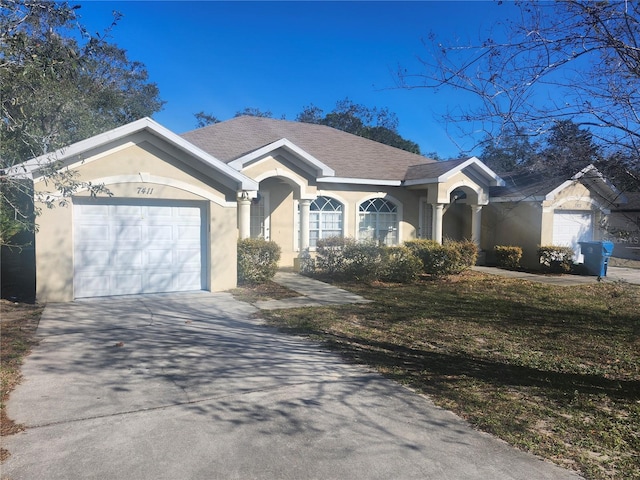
159,282
134,211
127,284
91,285
127,258
187,233
160,233
572,227
129,249
188,258
97,258
88,233
156,256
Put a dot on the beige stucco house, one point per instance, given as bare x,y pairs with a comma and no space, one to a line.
179,203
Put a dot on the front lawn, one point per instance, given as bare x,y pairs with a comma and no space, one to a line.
551,370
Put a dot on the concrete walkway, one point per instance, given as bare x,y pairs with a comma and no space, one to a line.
313,293
614,274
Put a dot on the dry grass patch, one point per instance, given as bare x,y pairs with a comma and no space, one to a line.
552,370
263,291
18,323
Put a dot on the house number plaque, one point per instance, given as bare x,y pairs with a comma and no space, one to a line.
145,190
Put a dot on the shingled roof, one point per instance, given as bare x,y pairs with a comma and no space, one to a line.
349,155
538,186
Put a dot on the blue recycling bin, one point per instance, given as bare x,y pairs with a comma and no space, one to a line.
596,257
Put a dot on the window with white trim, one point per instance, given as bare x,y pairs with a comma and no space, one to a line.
378,220
325,219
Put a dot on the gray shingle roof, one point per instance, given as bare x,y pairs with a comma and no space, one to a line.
349,155
432,170
527,184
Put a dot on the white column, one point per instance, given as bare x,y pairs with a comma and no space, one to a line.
476,223
438,212
304,224
244,215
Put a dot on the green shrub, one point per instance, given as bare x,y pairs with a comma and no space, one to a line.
555,259
400,265
363,260
508,256
422,249
450,258
468,253
330,259
257,260
307,263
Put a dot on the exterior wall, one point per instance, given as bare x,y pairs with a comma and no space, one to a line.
530,224
513,224
283,213
407,201
119,170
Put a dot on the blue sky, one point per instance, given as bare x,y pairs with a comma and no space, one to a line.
220,57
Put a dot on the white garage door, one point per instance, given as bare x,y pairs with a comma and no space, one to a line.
569,228
123,248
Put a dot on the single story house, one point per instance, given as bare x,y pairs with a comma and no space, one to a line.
179,203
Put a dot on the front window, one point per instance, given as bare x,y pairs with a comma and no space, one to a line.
325,219
378,220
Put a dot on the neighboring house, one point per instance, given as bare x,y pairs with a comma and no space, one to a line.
623,228
179,203
534,209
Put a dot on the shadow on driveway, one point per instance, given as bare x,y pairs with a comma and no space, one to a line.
193,386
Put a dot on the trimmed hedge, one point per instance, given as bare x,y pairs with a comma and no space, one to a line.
257,260
330,260
341,258
400,265
508,256
447,259
555,259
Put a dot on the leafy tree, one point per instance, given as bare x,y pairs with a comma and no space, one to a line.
568,150
59,85
509,152
254,112
572,60
204,119
375,124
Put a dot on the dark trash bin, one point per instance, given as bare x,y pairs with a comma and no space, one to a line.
596,257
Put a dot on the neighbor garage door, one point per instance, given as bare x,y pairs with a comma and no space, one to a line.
124,247
569,228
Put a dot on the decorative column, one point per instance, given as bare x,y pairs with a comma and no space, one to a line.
304,224
476,223
244,215
438,212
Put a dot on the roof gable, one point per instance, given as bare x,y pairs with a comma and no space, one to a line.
438,172
539,187
313,163
78,152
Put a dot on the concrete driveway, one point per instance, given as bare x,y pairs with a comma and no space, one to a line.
189,386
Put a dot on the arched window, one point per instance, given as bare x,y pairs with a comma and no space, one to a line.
378,220
325,219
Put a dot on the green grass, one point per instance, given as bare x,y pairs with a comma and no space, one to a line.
551,370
